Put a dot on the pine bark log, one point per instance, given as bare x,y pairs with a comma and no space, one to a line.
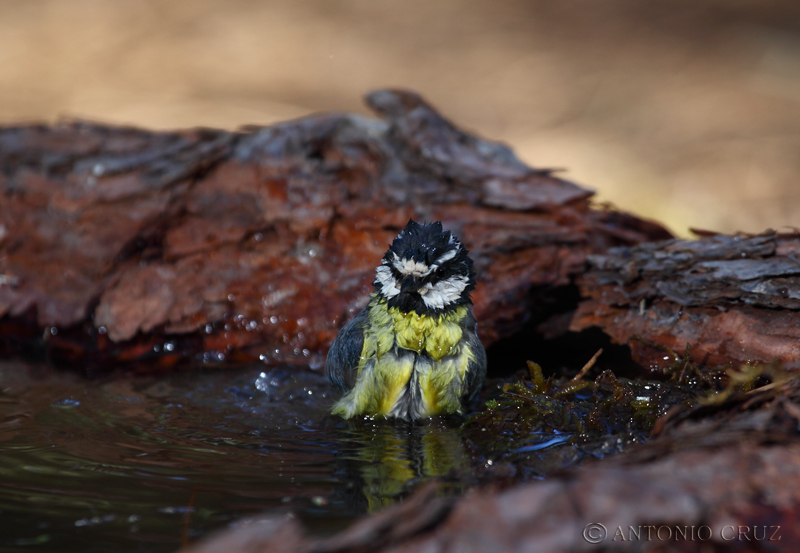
120,245
723,299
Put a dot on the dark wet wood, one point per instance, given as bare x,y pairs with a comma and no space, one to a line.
215,247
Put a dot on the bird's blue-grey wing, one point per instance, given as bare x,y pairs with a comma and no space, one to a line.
476,370
341,366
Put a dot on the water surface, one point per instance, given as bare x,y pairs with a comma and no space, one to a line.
148,464
136,463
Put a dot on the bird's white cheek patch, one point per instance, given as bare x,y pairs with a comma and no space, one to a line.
445,292
383,277
447,256
411,267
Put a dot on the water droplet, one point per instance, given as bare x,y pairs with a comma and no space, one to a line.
175,510
93,521
262,383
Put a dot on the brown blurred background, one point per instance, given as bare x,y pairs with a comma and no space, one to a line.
683,111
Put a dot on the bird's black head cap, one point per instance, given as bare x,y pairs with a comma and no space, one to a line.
426,270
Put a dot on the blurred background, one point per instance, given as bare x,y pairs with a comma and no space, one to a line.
683,111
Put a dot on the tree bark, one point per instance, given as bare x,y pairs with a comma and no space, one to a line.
122,245
729,299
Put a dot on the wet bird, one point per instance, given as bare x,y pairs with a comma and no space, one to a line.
414,351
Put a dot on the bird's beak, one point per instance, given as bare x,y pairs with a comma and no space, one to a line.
408,285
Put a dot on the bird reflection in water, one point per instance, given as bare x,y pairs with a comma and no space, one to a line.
388,458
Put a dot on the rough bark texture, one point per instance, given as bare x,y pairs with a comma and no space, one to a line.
714,468
732,299
216,246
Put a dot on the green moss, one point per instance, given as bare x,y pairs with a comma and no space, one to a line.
583,417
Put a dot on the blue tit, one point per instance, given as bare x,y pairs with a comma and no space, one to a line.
414,351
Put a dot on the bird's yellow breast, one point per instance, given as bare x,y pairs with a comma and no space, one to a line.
384,376
436,335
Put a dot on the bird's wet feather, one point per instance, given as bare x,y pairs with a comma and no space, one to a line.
419,351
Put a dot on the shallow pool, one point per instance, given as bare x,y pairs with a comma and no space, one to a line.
149,464
138,463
